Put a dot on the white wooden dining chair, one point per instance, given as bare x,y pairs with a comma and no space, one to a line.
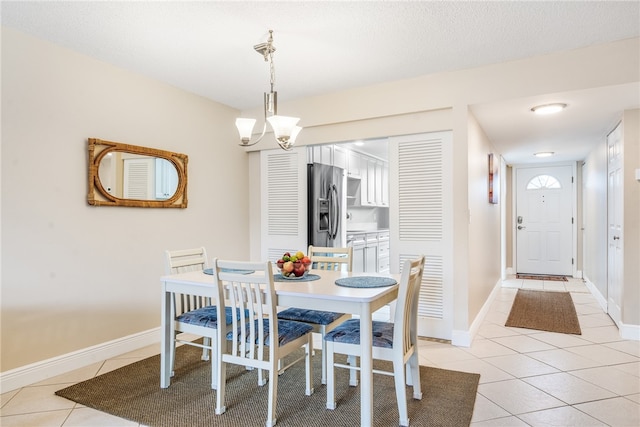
193,315
259,340
396,342
323,258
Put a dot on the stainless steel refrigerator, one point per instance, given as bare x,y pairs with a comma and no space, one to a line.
326,205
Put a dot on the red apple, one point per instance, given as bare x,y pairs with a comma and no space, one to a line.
299,269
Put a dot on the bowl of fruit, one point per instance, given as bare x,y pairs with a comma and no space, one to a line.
294,266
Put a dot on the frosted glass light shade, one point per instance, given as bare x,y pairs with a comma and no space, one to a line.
294,134
548,108
283,126
245,128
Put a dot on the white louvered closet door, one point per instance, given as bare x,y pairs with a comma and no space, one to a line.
138,179
420,220
283,202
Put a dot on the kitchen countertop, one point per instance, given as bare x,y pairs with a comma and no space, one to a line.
378,230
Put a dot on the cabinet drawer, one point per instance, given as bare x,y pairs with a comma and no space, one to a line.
383,250
383,265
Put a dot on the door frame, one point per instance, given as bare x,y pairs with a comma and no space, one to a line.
574,210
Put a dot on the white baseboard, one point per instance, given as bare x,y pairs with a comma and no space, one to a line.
602,301
627,332
45,369
462,338
630,332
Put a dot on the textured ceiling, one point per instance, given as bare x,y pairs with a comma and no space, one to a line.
206,47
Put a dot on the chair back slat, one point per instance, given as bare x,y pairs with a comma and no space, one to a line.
185,260
328,258
407,304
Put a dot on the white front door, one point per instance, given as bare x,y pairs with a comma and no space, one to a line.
614,222
544,220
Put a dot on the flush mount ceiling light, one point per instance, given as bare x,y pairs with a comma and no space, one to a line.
284,128
549,108
544,154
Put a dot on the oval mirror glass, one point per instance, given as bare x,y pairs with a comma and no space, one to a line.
137,177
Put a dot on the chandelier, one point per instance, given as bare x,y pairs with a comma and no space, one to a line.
284,128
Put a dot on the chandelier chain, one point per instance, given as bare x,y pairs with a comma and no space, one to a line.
272,69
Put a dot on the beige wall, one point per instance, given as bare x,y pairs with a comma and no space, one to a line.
73,275
484,222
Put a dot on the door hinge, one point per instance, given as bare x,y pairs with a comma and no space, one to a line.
572,180
571,220
571,261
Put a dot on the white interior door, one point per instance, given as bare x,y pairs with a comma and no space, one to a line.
544,220
138,179
283,189
420,212
615,224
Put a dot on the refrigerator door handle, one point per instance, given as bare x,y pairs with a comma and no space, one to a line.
334,212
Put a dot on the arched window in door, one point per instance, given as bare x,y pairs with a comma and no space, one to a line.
543,182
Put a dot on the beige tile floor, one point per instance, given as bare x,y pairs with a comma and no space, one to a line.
528,378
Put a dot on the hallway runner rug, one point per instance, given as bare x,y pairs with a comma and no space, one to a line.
542,277
544,311
133,392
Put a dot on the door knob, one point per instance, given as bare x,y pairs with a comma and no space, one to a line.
520,227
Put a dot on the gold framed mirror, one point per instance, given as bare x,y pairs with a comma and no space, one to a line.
135,176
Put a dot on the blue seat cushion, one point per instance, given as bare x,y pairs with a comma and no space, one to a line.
349,333
206,316
287,331
309,316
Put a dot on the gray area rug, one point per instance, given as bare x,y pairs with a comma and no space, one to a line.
544,311
133,392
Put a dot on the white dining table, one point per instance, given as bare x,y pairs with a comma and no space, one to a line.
321,294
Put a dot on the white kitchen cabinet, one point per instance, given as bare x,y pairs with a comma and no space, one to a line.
166,179
329,154
371,253
383,252
378,183
358,242
371,182
381,187
374,182
364,182
384,183
354,160
340,157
